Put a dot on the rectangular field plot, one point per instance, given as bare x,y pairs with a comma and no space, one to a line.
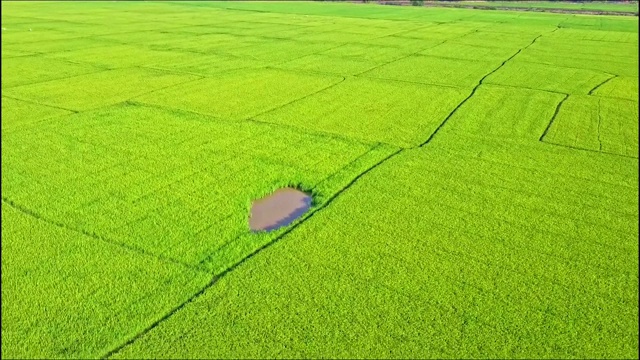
609,47
22,35
347,59
547,77
375,53
240,95
402,114
276,51
122,56
144,38
202,44
600,124
434,71
73,296
334,37
469,52
25,70
610,64
329,64
601,23
402,42
620,87
441,32
481,38
504,112
571,35
97,89
610,56
208,65
11,53
18,114
170,182
53,46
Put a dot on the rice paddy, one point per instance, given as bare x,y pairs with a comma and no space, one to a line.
595,6
470,181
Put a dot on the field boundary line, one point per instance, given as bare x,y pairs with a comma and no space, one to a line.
282,67
310,54
473,91
353,161
48,56
304,217
105,106
616,98
599,151
602,83
98,70
37,103
298,99
400,58
553,118
543,170
527,88
567,67
166,316
161,88
158,67
346,43
599,124
301,130
589,150
318,133
419,51
411,82
92,36
101,238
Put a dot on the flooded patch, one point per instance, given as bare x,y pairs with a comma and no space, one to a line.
278,209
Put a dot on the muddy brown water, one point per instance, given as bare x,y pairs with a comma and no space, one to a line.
279,209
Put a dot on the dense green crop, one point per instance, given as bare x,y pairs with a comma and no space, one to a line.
596,123
562,5
67,294
24,70
620,87
505,112
152,178
241,94
97,89
398,113
474,178
520,251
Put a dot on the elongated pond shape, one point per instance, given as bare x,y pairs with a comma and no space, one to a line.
278,209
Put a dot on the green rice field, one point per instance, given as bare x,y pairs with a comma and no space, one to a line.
614,6
474,178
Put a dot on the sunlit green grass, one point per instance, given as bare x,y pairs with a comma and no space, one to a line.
474,177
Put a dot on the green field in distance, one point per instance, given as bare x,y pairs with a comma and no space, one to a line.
474,178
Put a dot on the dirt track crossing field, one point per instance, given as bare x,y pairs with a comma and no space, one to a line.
474,177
